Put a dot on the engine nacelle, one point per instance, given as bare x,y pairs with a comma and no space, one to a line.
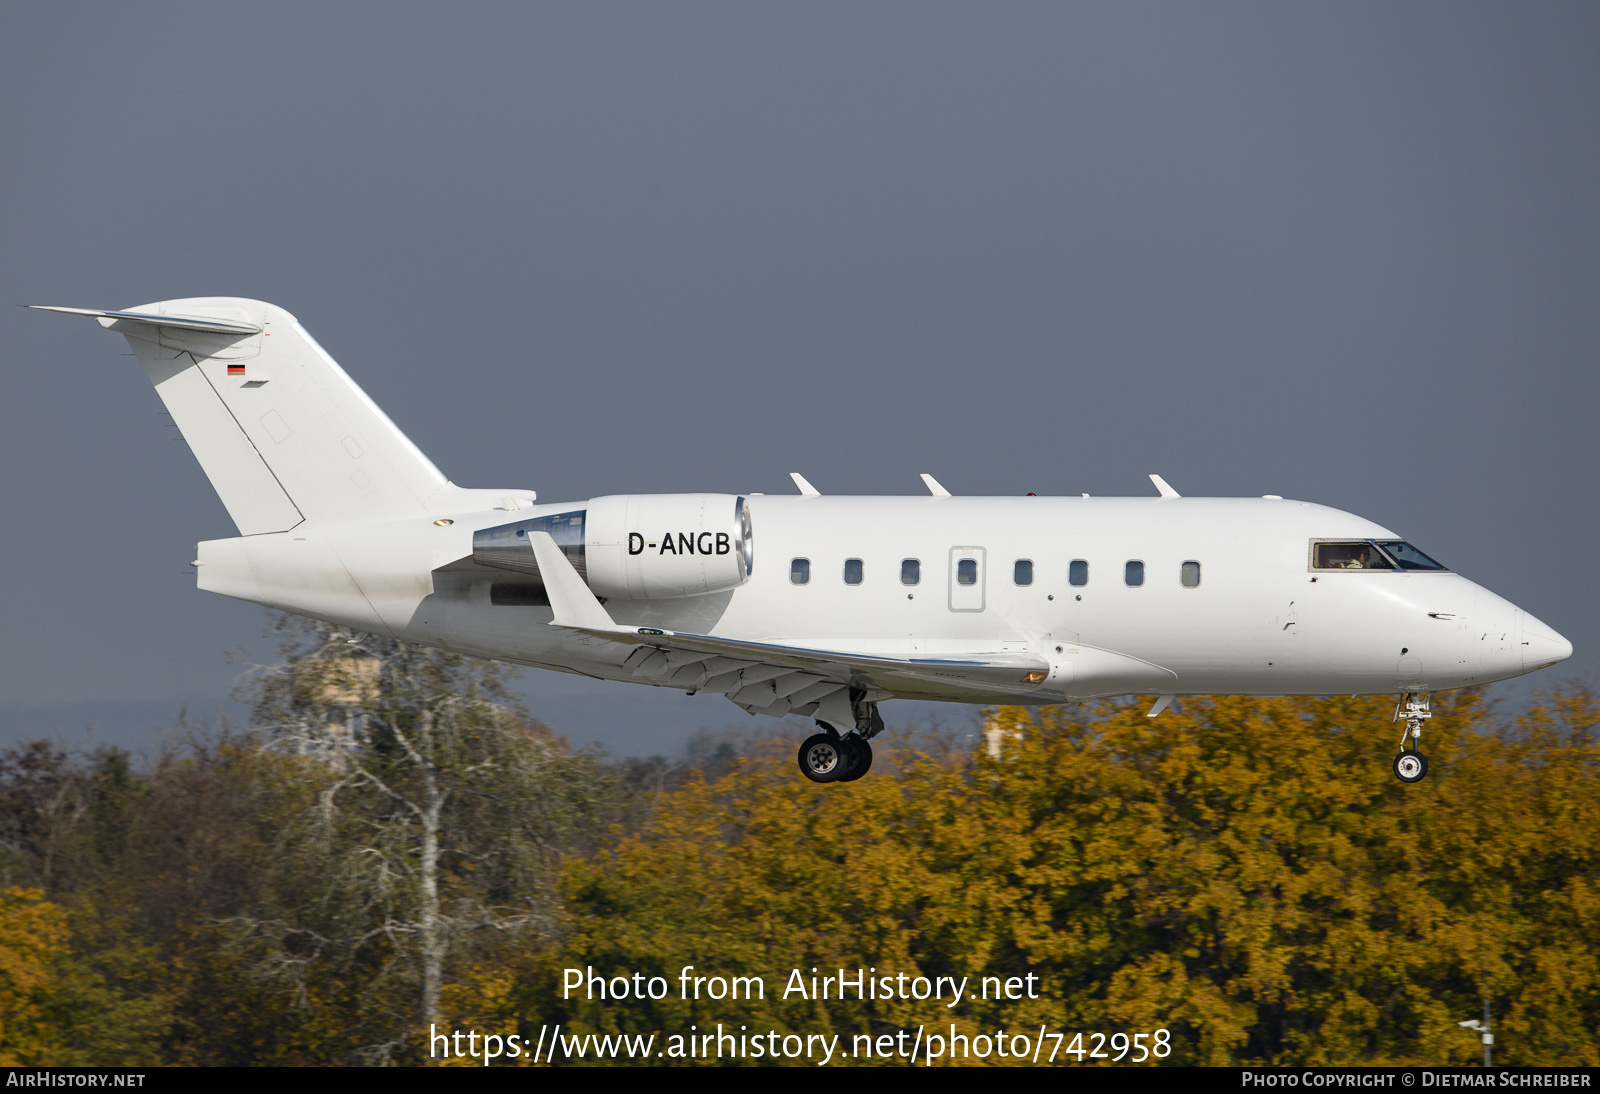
654,546
636,546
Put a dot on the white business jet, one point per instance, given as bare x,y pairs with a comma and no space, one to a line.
809,605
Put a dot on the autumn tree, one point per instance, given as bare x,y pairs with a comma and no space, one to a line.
83,834
33,935
1245,873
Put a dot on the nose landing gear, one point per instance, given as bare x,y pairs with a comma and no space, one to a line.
1411,765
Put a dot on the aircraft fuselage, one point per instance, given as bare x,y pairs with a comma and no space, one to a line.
1256,618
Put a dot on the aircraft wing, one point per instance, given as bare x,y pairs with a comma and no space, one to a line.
774,678
999,673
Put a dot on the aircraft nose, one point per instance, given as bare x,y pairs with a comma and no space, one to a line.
1541,645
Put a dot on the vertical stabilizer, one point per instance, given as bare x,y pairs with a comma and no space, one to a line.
284,435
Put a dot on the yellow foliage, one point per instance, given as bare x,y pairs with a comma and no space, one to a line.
33,933
1244,872
488,999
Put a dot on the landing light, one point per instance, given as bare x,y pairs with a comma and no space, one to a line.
1035,677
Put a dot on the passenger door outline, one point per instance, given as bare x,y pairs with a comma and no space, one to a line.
967,598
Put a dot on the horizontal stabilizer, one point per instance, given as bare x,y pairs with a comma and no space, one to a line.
213,326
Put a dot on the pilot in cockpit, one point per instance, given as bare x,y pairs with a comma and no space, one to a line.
1349,556
1360,559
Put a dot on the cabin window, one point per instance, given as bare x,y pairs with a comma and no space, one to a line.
852,571
910,571
1133,573
800,571
1358,555
967,571
1078,572
1022,572
1190,574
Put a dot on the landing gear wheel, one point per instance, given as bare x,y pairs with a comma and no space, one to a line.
1410,767
861,759
823,758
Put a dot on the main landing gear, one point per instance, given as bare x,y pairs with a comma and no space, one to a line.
1410,766
832,757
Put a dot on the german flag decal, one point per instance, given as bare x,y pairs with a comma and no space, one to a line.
235,370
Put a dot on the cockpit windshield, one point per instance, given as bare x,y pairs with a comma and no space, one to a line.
1369,554
1408,556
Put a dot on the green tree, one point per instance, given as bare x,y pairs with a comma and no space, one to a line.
439,817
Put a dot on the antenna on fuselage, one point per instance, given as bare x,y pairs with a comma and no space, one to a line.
1161,485
933,486
806,489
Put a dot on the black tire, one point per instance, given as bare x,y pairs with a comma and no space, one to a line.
823,758
861,759
1410,767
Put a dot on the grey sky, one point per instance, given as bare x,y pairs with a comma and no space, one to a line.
1346,253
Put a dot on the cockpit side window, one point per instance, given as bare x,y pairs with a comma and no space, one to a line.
1349,555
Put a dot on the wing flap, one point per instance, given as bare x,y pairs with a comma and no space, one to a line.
997,672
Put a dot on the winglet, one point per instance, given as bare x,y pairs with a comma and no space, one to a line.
933,486
1162,703
806,489
574,602
1161,485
